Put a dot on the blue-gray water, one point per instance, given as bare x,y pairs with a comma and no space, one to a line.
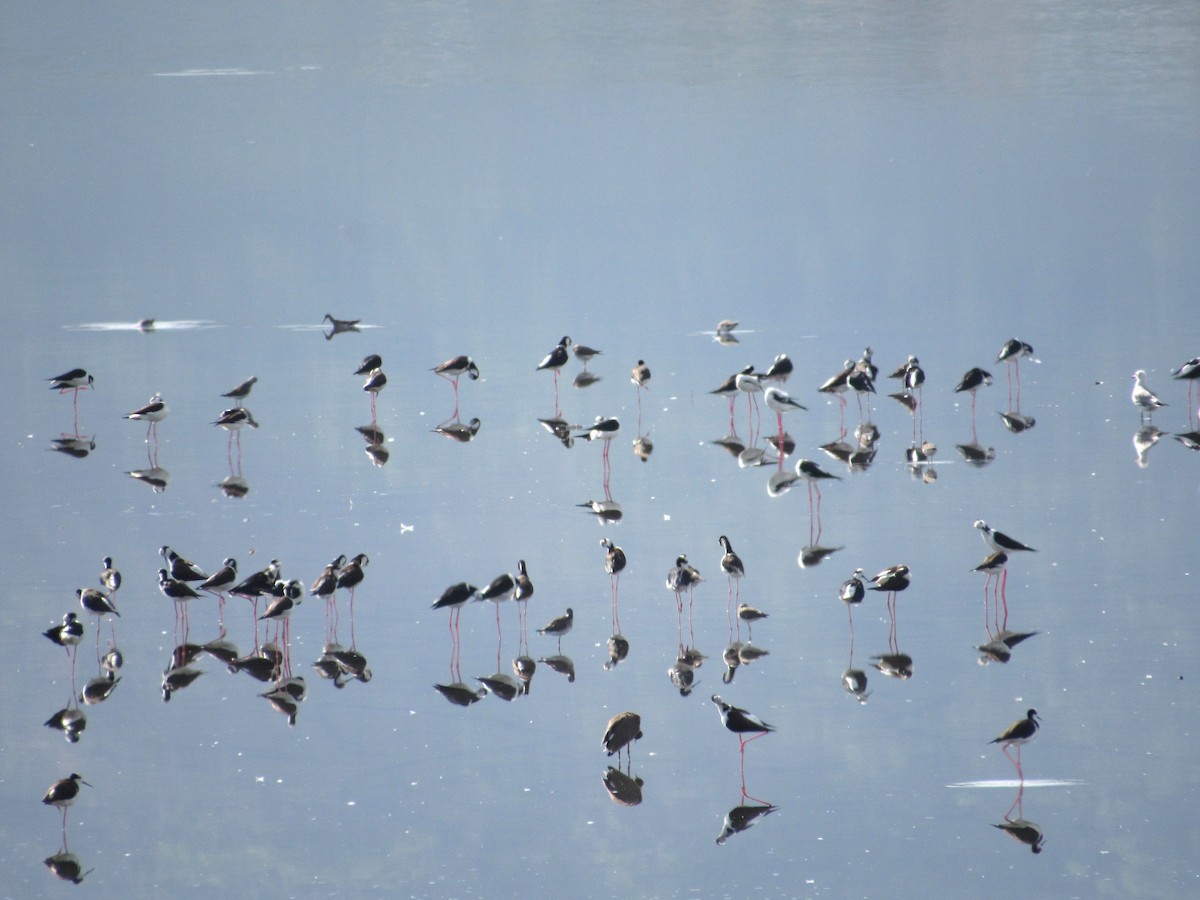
483,180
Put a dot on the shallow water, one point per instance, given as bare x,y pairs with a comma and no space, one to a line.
924,183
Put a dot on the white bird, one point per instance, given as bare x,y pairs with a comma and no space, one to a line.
1143,398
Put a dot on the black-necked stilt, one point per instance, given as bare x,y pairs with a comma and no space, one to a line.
341,324
838,385
74,380
994,562
376,381
370,363
221,580
614,557
852,590
740,721
499,590
350,576
604,429
180,568
683,576
584,354
1190,370
780,370
453,369
892,579
1018,733
640,375
68,634
235,418
453,598
866,364
998,540
913,376
281,607
522,583
554,361
1143,398
153,412
1011,353
242,391
96,602
1013,350
460,693
734,569
813,474
325,584
63,793
972,380
781,402
259,583
110,578
174,588
729,389
622,730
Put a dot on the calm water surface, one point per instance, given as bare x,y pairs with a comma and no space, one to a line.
467,180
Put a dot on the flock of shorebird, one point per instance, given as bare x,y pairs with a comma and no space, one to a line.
622,730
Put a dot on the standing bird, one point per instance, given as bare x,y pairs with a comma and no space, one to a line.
453,598
180,568
851,593
499,590
96,602
813,473
614,562
376,381
779,401
153,412
749,614
998,540
351,576
554,361
453,369
74,381
63,793
780,370
178,591
110,578
1010,354
370,363
891,580
741,722
734,569
242,391
584,353
622,730
67,635
640,375
1018,733
221,580
1143,398
559,625
972,381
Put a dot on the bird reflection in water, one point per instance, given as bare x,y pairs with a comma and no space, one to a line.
1016,422
623,789
683,676
561,429
561,664
66,866
920,462
458,432
376,449
975,454
1018,827
461,694
894,665
70,720
1144,440
643,447
524,667
999,647
76,446
585,379
286,696
618,650
500,685
607,512
742,817
177,679
814,555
